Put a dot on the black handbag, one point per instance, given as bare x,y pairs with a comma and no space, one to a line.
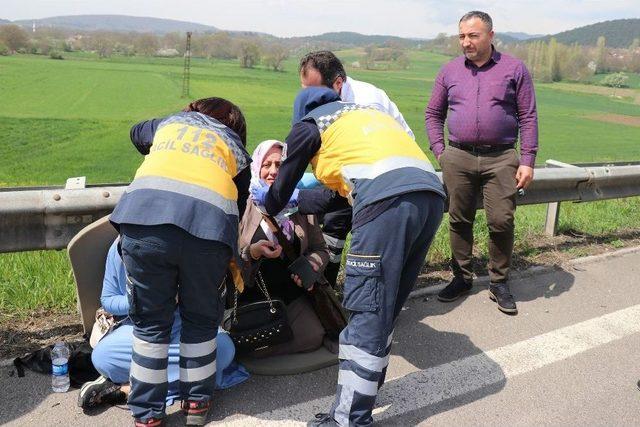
257,325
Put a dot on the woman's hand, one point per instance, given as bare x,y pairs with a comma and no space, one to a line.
297,279
264,248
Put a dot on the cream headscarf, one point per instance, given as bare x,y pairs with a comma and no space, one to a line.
283,221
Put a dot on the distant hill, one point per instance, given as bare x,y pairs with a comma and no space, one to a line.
118,23
505,38
619,33
355,39
4,21
521,36
123,23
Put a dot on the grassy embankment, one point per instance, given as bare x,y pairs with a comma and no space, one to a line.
70,118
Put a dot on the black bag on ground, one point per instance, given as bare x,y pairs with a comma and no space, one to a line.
81,369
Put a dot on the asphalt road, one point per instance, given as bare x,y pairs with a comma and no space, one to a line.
568,358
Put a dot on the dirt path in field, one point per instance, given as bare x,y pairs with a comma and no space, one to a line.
21,335
633,94
618,119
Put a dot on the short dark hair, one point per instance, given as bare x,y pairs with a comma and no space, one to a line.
226,112
484,17
326,63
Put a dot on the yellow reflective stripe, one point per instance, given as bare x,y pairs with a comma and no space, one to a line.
230,207
373,170
198,349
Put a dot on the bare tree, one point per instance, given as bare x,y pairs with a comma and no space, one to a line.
276,54
248,53
146,44
14,37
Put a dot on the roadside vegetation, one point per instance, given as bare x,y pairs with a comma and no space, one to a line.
71,118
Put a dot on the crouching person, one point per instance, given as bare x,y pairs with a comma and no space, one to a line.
112,355
398,202
178,224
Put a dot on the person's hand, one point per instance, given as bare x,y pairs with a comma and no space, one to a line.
524,176
264,248
258,189
297,279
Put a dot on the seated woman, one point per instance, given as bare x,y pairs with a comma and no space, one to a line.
112,355
263,255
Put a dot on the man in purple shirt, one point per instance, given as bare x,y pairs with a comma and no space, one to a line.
488,97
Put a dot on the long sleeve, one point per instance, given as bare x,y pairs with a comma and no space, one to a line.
302,143
317,252
527,117
390,107
142,134
436,114
114,294
320,200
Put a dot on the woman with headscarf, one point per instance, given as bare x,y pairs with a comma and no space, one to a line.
265,260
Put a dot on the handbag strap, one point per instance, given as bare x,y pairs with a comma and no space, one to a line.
263,287
287,247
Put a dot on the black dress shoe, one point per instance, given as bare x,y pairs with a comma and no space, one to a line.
324,420
500,293
455,290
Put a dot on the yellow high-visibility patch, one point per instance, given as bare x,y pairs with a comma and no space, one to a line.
192,155
360,137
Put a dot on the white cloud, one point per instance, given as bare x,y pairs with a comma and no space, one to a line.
408,18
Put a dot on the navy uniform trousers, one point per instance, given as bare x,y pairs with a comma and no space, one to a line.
383,263
158,258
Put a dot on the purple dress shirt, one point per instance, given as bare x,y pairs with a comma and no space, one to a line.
486,105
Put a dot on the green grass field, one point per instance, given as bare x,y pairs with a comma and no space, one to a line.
71,118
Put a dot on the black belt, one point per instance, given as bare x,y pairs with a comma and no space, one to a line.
481,149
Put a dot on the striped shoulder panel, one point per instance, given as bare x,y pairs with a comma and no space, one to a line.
325,115
227,135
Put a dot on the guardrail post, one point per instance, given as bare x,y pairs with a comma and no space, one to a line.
553,208
551,223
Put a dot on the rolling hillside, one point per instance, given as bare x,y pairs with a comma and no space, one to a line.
118,23
619,33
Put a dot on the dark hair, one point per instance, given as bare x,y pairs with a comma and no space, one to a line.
223,111
484,17
326,63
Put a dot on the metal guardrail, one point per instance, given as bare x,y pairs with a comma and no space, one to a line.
48,217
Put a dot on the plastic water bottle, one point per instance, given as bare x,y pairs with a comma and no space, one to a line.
60,367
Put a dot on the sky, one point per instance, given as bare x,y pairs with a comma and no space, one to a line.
285,18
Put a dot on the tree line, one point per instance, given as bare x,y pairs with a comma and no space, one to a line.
249,49
552,61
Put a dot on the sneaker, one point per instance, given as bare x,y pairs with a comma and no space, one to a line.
149,422
454,290
500,293
196,412
322,419
100,391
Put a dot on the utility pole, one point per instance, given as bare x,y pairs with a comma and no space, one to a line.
187,67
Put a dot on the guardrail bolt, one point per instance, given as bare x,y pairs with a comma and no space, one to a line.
56,197
106,194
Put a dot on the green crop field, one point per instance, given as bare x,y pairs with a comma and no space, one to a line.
71,118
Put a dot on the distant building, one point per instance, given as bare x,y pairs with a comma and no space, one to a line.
167,53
